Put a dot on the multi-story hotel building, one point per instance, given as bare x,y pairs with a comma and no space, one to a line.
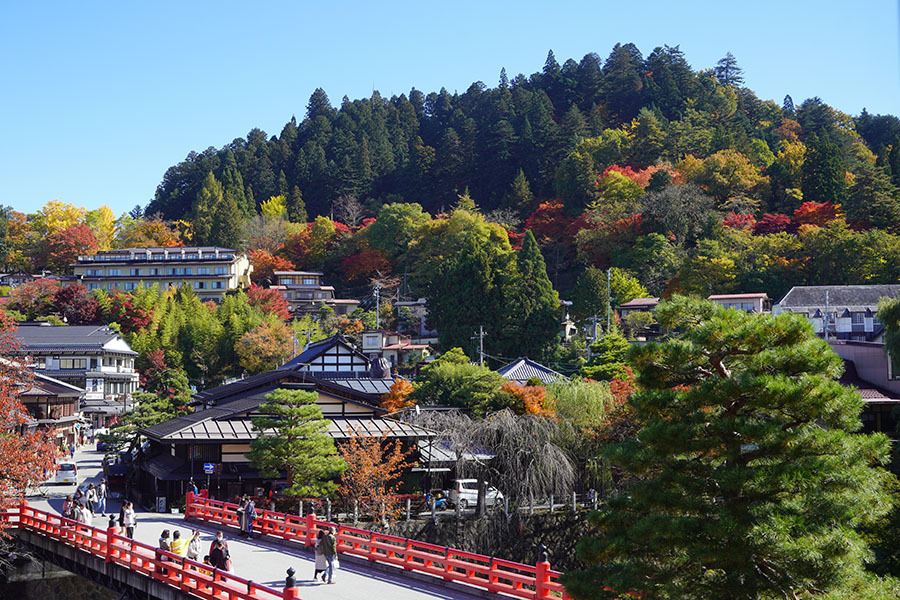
210,271
94,358
305,292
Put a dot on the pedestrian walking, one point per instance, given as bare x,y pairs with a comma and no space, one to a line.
329,549
129,521
242,515
68,507
220,540
250,511
164,545
101,497
193,487
122,518
193,549
179,545
92,497
218,556
72,449
321,565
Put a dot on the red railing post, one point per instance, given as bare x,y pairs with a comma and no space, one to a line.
541,579
23,506
110,534
311,529
188,500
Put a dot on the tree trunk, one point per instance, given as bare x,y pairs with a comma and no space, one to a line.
482,494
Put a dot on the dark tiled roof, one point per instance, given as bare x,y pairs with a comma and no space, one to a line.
639,302
377,387
43,385
68,338
838,295
523,369
870,393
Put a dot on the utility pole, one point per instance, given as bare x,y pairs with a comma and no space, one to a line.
377,304
480,336
608,304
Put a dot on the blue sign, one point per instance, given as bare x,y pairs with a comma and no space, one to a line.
209,468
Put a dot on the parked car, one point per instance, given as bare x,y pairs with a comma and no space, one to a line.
465,493
66,472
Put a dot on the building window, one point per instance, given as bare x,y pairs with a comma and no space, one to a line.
135,272
309,281
154,271
285,281
220,271
129,285
110,286
69,364
188,270
199,285
218,285
93,286
94,272
115,272
202,270
170,271
858,318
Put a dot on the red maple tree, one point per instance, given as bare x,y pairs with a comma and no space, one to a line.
772,223
76,305
364,264
63,247
26,455
739,220
265,264
270,301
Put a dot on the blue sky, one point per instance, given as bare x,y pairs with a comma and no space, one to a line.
99,98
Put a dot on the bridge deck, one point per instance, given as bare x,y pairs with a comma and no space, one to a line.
265,561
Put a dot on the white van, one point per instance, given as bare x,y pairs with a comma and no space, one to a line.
66,472
465,493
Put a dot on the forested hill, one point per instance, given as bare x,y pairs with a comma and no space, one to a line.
428,148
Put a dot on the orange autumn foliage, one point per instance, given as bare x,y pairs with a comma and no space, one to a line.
374,467
26,455
398,398
532,397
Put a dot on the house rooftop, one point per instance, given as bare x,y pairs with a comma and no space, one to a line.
44,337
522,369
639,302
838,295
764,296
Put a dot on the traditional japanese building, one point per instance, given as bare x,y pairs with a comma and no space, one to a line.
53,405
220,431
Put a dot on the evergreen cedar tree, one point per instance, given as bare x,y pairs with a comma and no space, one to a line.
752,481
26,457
296,445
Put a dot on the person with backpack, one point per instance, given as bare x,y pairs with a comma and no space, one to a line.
218,556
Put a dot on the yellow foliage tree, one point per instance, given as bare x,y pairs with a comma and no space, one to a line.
58,216
274,208
102,222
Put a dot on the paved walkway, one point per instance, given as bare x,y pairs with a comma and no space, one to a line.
259,560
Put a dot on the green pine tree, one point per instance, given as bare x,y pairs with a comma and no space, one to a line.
208,199
519,196
824,175
535,310
894,161
296,208
293,440
608,358
227,223
751,481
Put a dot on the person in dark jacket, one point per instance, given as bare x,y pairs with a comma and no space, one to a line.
329,549
218,558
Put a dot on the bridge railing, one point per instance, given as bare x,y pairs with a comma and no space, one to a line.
176,571
532,582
